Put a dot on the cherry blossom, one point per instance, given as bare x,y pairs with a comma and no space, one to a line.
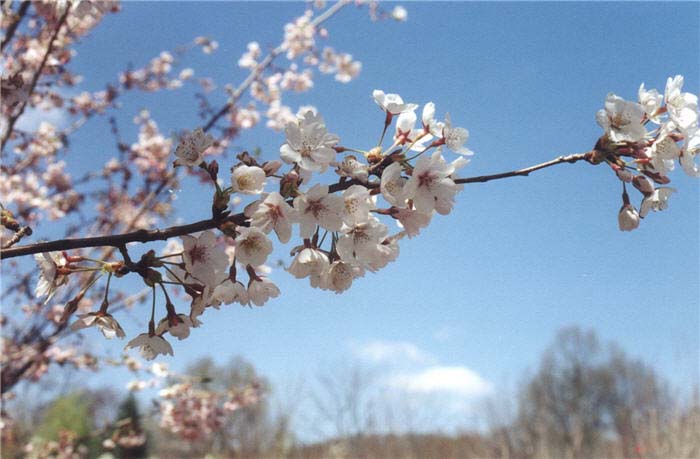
260,290
150,345
177,325
621,119
203,260
191,148
309,144
393,185
272,213
102,320
248,179
308,262
317,207
340,275
430,185
50,277
391,103
656,201
252,246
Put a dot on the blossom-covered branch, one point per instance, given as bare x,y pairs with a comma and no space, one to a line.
143,235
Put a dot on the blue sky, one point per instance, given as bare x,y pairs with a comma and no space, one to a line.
486,288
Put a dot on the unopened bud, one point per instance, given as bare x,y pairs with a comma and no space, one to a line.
656,177
228,228
628,218
374,155
271,167
220,201
289,185
152,277
625,175
213,169
643,184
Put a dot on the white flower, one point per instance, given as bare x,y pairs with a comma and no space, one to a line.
656,201
150,345
248,179
393,184
191,148
682,106
252,246
308,262
411,220
628,218
203,259
339,276
272,213
229,292
200,302
404,126
455,137
621,119
431,187
391,103
178,326
362,244
260,290
357,204
102,320
317,207
690,152
309,144
662,155
351,167
651,101
399,13
50,263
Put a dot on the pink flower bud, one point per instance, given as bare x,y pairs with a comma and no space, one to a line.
628,218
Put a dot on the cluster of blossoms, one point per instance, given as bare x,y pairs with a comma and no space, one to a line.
129,191
340,228
186,408
644,157
194,414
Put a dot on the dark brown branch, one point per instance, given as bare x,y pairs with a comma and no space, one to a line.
12,28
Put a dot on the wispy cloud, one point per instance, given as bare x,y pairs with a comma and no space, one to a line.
457,380
393,352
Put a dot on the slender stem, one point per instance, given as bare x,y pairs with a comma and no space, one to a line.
105,302
524,172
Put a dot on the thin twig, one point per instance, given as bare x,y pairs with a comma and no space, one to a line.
23,231
35,79
264,64
525,172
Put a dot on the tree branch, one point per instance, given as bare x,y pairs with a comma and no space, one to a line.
12,28
13,119
120,240
525,172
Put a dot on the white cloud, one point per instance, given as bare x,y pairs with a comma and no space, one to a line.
457,380
392,352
